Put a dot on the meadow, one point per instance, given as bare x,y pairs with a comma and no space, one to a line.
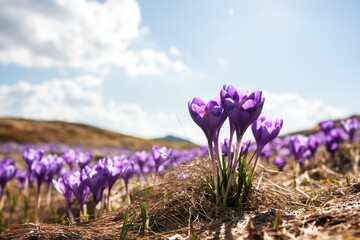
71,181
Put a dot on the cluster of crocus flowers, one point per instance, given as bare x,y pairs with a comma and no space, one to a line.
107,171
242,108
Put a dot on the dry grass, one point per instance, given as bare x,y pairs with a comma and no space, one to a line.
322,205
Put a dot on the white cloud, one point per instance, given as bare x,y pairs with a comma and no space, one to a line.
78,34
221,61
72,100
231,11
297,112
175,51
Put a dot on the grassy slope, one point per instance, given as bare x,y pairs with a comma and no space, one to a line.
32,131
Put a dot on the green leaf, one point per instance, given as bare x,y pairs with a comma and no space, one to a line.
125,228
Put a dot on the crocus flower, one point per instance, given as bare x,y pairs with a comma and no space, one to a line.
114,170
332,140
70,157
264,131
95,178
21,176
7,172
80,190
40,170
244,146
313,144
279,162
63,187
141,160
242,107
30,156
209,117
129,171
7,162
225,147
350,126
326,126
83,159
161,158
298,145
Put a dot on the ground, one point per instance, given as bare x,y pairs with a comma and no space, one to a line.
322,203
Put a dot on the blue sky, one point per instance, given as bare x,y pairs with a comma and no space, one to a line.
132,66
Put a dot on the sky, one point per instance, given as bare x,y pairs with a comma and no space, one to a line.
133,66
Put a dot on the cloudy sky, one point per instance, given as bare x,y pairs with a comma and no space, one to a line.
132,66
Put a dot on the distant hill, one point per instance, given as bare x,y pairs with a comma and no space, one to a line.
33,131
171,138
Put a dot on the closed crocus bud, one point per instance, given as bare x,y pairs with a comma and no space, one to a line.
265,130
298,145
21,176
80,190
40,170
279,162
244,147
96,179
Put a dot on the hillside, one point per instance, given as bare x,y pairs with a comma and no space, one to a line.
33,131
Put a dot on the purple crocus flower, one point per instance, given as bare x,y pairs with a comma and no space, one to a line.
142,160
350,126
70,157
332,140
326,126
21,177
114,170
161,158
80,190
279,162
244,146
30,156
129,171
7,172
96,179
209,117
264,131
225,147
83,159
40,173
7,162
313,144
242,107
298,146
63,187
